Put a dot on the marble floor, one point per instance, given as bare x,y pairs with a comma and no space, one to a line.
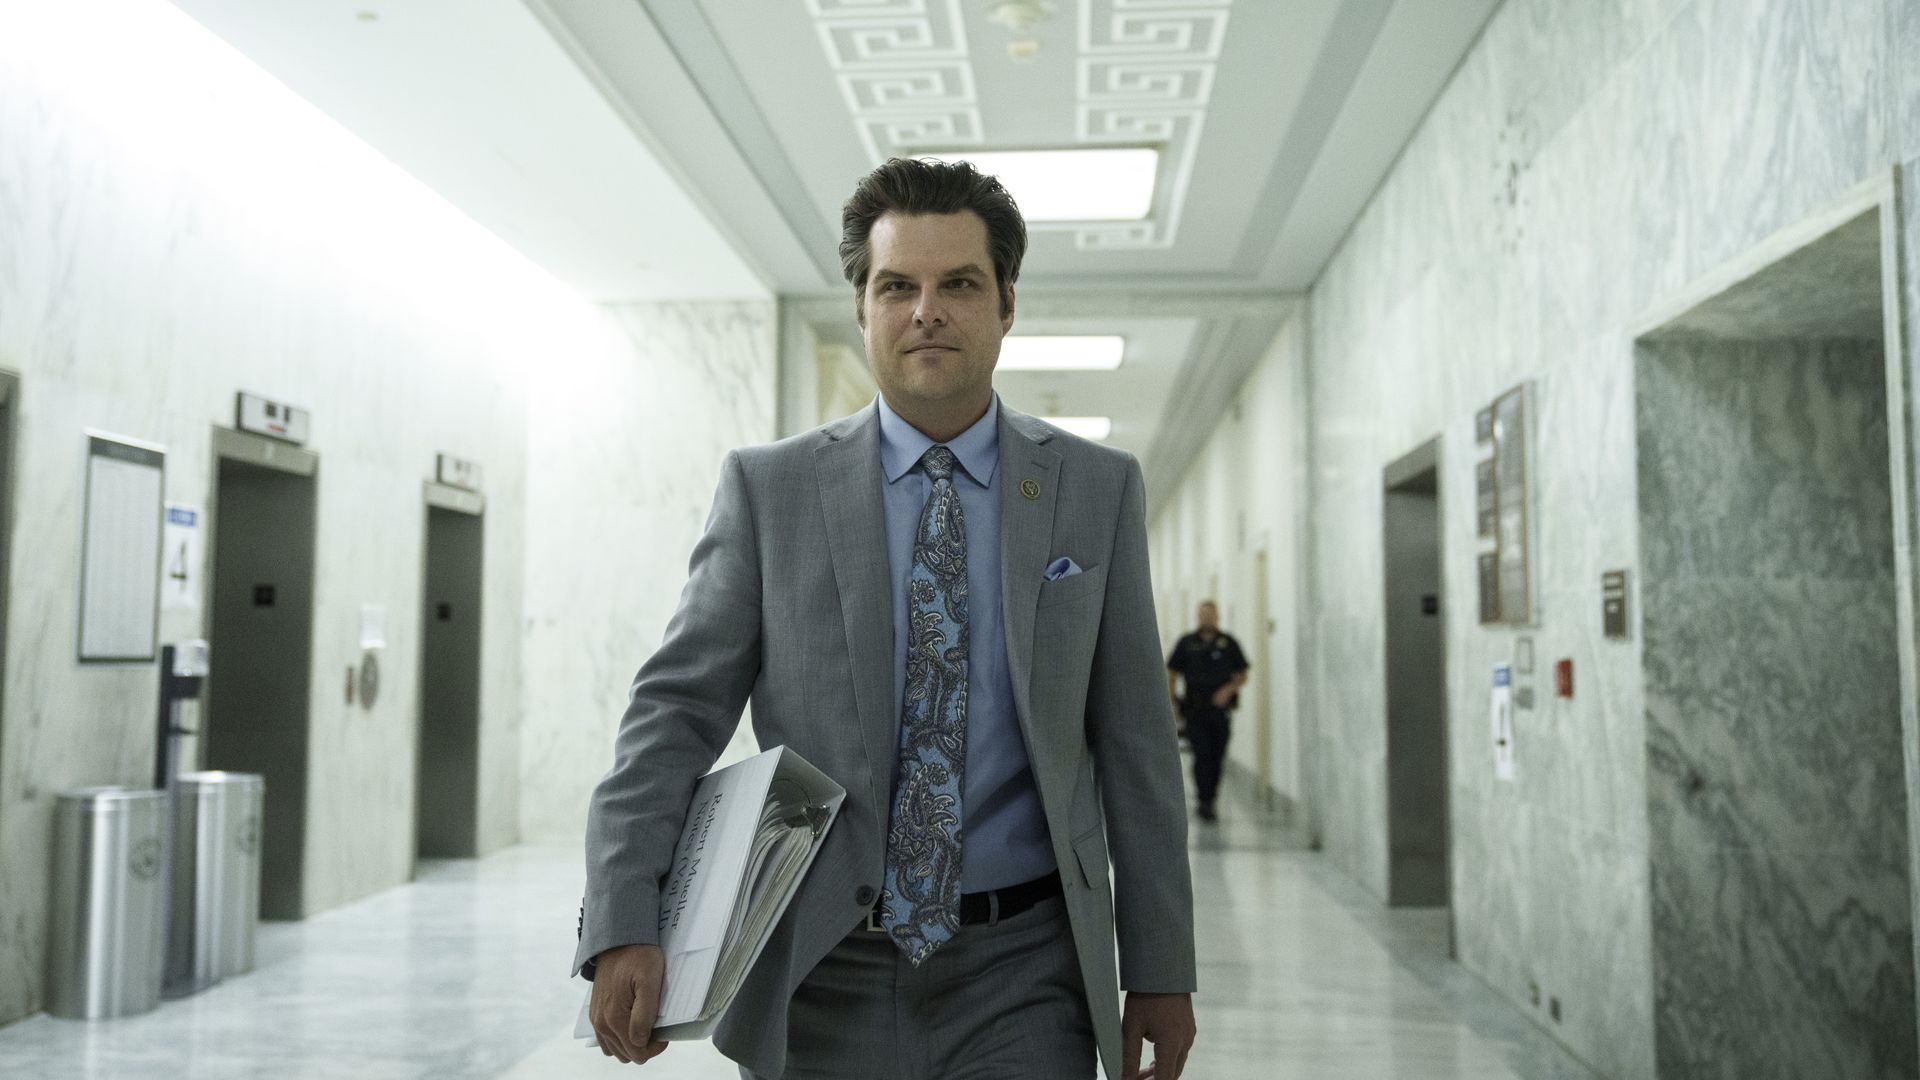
461,974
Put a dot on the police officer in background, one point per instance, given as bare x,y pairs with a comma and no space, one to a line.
1214,669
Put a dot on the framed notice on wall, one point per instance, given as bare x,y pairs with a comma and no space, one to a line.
1513,509
120,550
1486,501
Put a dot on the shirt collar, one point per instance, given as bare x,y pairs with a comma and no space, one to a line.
977,448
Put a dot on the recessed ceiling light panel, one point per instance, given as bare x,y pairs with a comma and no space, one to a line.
1110,183
1061,352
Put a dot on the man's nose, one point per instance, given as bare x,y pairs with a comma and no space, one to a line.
929,311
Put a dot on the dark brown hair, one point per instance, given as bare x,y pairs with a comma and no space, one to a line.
916,186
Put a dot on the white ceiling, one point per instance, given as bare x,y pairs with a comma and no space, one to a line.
659,149
479,102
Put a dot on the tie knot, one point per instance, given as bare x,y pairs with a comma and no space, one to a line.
938,461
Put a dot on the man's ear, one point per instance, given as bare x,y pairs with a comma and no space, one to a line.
860,307
1006,308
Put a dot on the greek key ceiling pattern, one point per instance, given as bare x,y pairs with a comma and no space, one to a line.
903,70
1145,71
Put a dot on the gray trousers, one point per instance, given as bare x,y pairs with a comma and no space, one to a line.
998,1002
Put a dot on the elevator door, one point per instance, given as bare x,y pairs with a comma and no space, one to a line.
1417,831
260,638
447,820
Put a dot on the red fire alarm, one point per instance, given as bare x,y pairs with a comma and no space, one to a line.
1563,678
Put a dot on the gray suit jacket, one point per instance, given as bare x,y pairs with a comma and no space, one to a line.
788,604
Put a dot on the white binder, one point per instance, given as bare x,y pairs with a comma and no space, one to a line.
752,831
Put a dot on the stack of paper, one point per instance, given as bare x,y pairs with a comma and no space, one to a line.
752,830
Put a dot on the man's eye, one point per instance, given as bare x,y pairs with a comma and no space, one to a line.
895,286
960,283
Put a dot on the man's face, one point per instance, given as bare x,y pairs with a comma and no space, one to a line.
1208,616
931,311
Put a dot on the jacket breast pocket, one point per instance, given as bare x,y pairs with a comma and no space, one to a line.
1080,586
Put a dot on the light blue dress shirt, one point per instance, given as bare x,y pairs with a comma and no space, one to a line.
1004,838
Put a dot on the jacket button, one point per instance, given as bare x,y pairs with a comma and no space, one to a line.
864,896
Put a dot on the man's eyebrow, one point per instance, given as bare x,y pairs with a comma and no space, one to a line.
973,269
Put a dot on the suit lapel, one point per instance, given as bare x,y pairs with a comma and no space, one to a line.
1028,469
848,471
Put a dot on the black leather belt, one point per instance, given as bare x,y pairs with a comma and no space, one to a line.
993,905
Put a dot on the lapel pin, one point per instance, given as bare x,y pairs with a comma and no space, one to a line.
1030,488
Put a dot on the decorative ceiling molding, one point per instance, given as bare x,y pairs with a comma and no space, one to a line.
1146,71
1145,75
903,69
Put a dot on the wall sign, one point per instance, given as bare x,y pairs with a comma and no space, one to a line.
180,559
270,418
1613,604
120,550
1502,722
1489,587
1486,499
456,472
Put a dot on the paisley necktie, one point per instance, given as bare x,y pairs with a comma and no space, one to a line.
921,906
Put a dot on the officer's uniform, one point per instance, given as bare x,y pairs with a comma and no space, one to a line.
1206,665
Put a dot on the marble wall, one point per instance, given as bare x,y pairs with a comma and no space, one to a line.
1585,164
625,446
177,226
1782,930
1238,498
1906,325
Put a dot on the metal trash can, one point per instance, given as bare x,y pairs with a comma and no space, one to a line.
216,878
108,946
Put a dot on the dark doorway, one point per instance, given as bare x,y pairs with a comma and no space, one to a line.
260,639
1418,872
448,799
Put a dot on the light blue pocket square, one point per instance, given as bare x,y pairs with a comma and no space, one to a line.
1062,567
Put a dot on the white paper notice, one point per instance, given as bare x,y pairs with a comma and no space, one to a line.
180,559
373,626
120,579
1503,721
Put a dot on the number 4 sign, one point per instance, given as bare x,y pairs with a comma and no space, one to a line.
180,559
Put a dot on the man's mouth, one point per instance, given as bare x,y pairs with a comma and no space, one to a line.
931,346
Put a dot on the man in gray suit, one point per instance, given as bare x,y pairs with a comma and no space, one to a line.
944,605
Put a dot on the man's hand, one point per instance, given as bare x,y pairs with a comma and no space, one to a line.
1222,696
627,984
1166,1021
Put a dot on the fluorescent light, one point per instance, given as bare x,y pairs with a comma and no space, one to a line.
1087,427
1099,184
1061,352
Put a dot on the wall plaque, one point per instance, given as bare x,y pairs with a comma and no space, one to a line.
1510,483
1486,500
1489,588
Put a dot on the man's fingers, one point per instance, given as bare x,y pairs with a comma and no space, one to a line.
609,1015
639,1024
1130,1056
